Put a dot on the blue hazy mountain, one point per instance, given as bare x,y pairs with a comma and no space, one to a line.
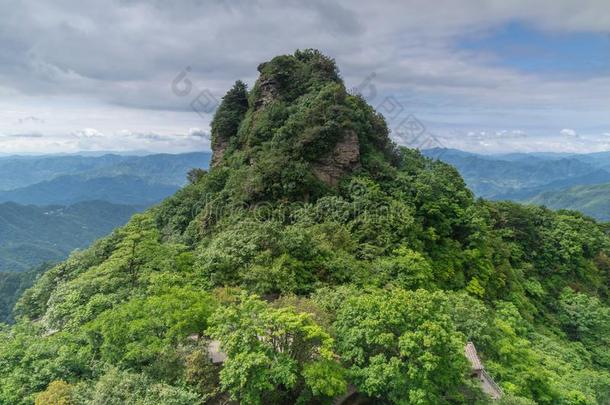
22,171
64,190
557,180
51,205
132,180
59,203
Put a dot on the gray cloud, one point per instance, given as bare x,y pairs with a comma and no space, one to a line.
104,59
30,119
25,135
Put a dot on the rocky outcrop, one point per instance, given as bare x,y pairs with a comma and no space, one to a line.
268,92
219,147
344,158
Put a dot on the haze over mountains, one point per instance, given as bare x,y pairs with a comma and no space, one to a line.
134,180
30,235
571,181
51,205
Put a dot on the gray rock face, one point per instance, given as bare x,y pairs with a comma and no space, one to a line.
220,142
219,146
344,158
268,92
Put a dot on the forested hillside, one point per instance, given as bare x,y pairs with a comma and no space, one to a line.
321,258
31,235
521,176
592,200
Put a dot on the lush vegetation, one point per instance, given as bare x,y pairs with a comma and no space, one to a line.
311,288
593,200
32,235
12,285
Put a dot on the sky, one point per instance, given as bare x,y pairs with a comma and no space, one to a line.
489,76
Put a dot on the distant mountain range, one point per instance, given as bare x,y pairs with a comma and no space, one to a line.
22,171
51,205
65,190
571,181
593,200
31,235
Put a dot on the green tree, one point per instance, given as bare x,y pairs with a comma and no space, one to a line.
57,393
275,354
228,117
138,333
401,346
586,319
405,268
122,387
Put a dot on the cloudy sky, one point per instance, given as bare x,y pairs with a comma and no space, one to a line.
122,75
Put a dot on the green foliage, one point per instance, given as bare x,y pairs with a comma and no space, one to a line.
120,387
139,332
405,268
586,319
400,346
30,361
201,375
57,393
229,115
376,282
275,354
195,175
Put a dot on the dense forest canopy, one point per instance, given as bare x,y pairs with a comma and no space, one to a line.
322,258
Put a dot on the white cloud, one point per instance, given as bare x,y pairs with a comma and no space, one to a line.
88,133
581,143
568,132
198,132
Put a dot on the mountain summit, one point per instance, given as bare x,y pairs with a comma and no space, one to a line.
298,130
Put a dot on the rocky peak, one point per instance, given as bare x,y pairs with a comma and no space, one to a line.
219,147
342,159
297,131
269,91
